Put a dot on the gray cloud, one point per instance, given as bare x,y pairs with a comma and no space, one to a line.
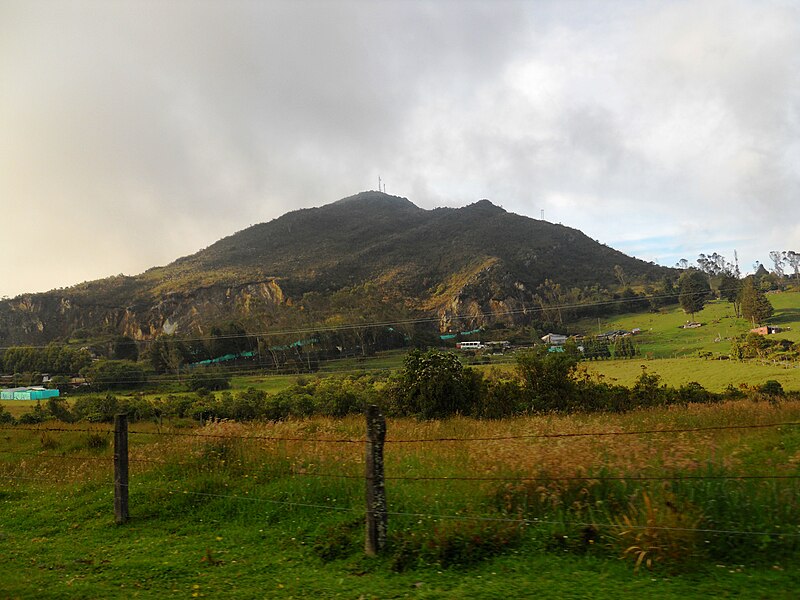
135,132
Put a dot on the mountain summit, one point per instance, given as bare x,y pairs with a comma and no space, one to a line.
371,255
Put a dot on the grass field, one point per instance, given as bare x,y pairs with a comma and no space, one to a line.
662,336
714,375
226,517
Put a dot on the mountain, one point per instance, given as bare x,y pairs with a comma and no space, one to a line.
369,257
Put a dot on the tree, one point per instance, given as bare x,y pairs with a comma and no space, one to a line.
115,374
777,261
551,300
694,291
754,303
547,379
619,273
730,288
793,259
209,379
124,348
434,385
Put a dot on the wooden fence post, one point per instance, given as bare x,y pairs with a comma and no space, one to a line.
121,468
376,490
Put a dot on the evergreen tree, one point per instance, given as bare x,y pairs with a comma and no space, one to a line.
754,303
694,291
730,289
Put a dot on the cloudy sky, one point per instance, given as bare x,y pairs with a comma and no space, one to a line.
132,133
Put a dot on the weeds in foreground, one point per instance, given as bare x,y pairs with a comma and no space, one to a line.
657,530
453,543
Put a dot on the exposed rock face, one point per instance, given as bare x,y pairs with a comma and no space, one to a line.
41,318
466,267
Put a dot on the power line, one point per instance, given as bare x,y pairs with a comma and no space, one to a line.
372,324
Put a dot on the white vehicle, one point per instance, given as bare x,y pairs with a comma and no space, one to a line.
470,346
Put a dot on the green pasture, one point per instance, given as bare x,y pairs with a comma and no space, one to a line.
663,337
714,375
18,407
224,518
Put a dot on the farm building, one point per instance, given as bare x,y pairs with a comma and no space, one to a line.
556,339
766,330
27,393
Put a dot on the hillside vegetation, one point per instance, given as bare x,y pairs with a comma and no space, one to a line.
374,256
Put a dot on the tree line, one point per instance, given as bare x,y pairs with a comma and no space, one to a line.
431,385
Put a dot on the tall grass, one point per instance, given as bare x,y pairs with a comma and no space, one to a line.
569,494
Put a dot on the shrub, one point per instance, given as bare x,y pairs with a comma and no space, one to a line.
772,388
547,379
453,543
433,385
500,398
6,417
694,392
137,408
96,440
96,409
245,406
115,374
59,409
209,379
177,406
37,415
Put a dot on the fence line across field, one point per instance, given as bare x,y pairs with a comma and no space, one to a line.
376,512
507,479
523,436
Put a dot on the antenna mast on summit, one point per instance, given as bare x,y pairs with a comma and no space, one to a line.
379,183
542,214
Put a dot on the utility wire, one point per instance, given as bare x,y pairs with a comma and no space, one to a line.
369,324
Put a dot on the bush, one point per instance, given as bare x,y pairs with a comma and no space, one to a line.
433,385
209,379
501,398
137,407
59,409
177,406
96,409
694,392
547,379
6,418
115,374
37,415
453,544
772,388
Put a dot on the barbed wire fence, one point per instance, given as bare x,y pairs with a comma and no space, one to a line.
376,511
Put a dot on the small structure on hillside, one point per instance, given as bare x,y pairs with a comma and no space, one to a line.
766,330
27,393
554,339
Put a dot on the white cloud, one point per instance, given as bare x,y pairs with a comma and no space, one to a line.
135,132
